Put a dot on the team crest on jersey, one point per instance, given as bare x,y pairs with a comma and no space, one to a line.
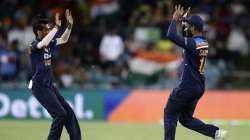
47,57
46,50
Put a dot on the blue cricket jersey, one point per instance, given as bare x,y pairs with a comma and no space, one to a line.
41,63
194,59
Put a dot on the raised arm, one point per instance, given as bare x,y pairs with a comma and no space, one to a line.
65,36
174,37
184,42
47,39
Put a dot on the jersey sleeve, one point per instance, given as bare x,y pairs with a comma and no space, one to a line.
201,43
33,46
53,43
184,42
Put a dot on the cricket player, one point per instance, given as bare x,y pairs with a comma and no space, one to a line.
42,78
183,99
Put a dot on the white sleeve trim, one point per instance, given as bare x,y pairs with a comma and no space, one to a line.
46,40
64,38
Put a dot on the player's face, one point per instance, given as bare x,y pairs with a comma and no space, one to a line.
189,31
46,30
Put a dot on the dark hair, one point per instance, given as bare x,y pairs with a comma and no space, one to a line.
38,24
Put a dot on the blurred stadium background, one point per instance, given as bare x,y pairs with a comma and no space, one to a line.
118,68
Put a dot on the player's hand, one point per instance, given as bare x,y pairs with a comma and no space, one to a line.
178,13
69,18
58,22
187,12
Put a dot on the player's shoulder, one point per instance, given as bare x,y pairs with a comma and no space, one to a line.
201,42
32,46
33,43
200,39
189,41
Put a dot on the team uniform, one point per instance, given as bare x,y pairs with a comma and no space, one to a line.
183,99
47,94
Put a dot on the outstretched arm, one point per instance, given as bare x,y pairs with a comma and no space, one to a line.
173,36
184,42
65,36
47,39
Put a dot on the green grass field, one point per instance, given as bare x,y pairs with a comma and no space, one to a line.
37,130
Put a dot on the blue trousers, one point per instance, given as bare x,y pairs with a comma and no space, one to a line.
180,107
60,111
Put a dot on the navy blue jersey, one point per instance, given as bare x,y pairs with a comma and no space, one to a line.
194,59
41,63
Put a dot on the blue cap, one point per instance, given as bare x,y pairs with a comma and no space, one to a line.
196,21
